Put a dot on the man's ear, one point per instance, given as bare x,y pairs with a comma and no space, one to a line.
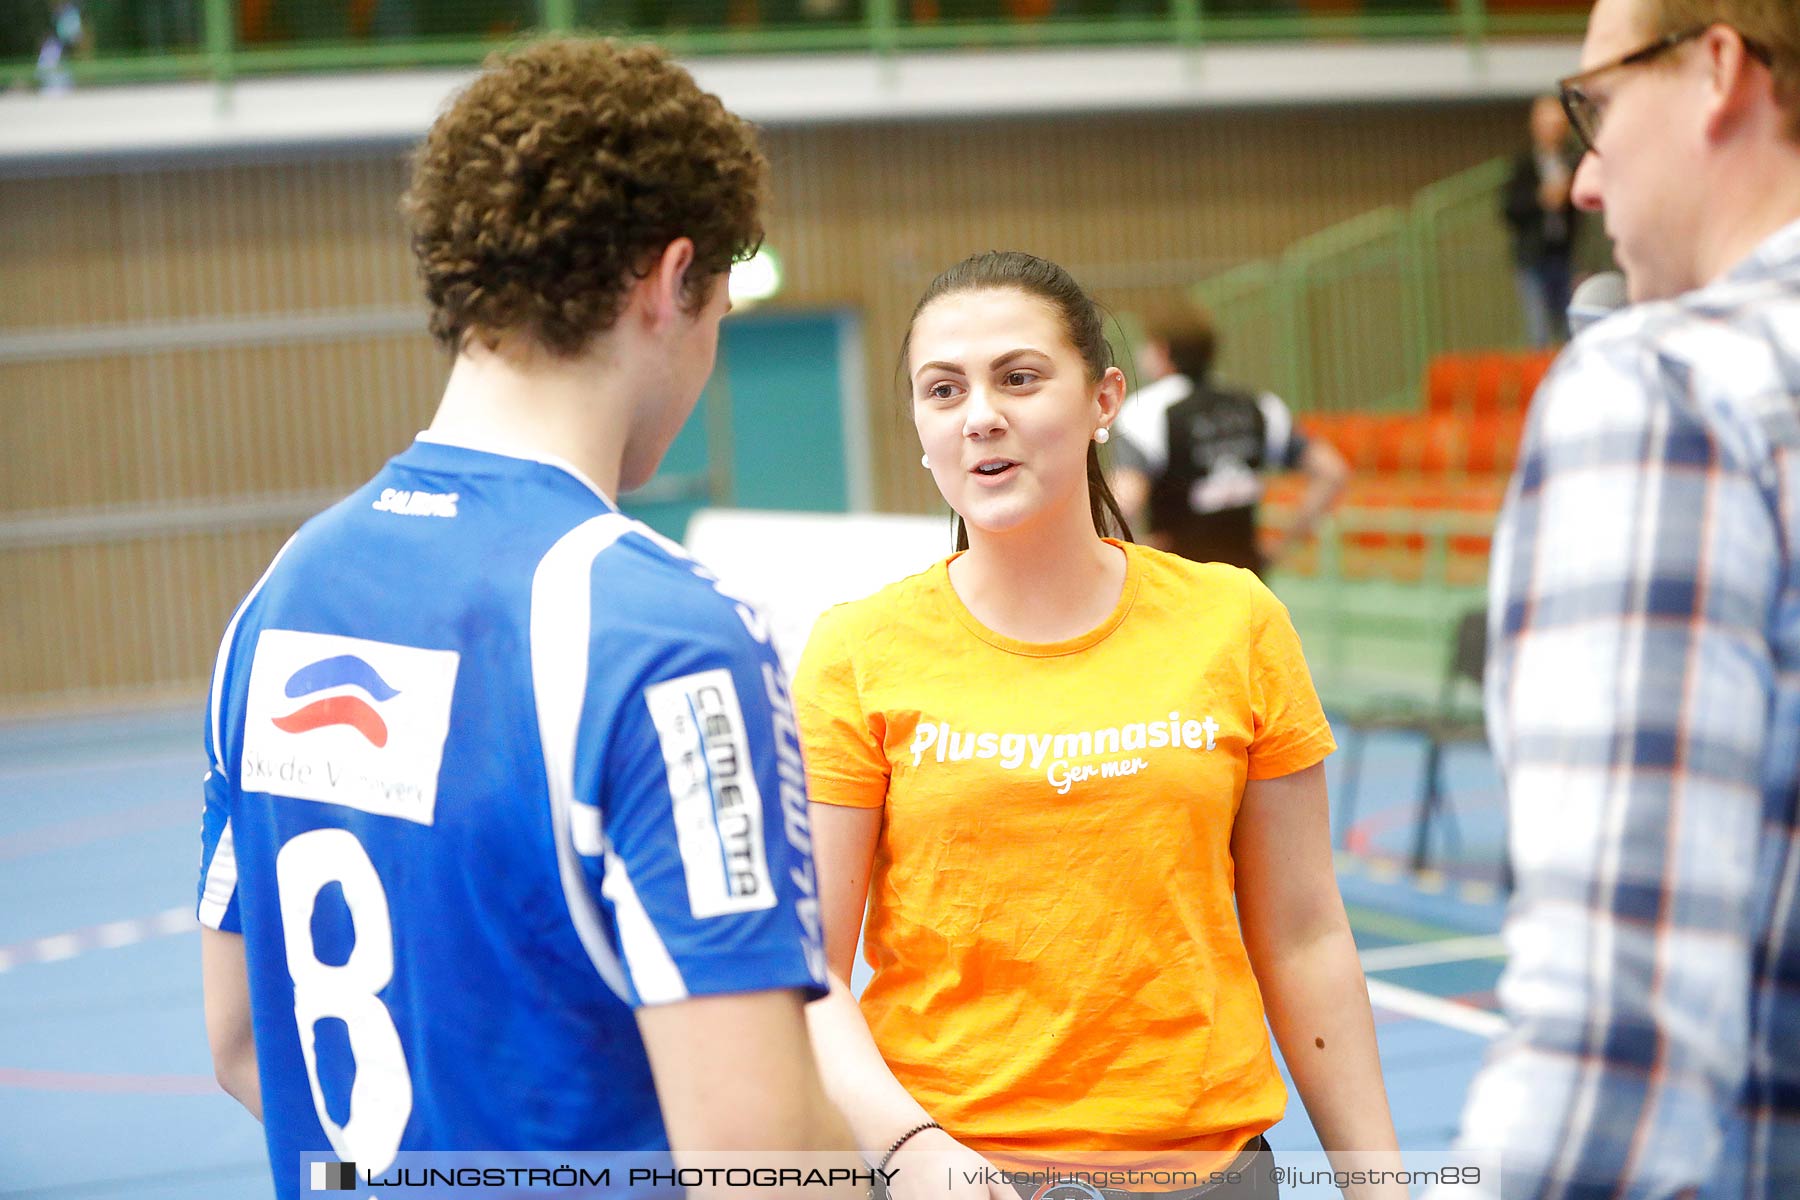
1732,80
664,288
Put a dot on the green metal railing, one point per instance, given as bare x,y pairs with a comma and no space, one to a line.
221,40
1463,265
1347,318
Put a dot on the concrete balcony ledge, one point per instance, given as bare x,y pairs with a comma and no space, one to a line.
98,127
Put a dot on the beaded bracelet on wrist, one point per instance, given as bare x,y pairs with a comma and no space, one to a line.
903,1139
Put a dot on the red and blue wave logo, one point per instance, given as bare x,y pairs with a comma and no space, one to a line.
342,708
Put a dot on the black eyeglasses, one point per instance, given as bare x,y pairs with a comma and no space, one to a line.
1585,111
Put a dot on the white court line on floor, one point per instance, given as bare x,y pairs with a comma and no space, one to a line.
95,827
59,946
1425,954
1401,1001
1463,1017
1380,868
78,761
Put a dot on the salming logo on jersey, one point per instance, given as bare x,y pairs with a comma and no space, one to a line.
712,785
348,721
406,503
796,819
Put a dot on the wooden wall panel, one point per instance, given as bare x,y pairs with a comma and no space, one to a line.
267,239
105,621
199,242
1136,206
192,425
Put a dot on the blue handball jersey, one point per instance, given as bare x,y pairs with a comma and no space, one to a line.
491,766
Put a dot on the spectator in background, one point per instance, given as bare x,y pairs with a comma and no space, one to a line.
1644,688
1540,217
68,37
1192,451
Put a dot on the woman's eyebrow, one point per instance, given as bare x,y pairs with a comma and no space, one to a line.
1010,355
938,364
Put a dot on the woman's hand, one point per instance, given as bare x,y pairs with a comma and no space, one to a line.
931,1160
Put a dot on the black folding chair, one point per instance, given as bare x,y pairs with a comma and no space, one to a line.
1446,723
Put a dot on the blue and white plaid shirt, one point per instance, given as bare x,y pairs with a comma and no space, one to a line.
1643,699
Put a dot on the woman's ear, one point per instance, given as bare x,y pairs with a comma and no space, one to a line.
1111,396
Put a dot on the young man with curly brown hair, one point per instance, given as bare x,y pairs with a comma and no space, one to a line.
506,834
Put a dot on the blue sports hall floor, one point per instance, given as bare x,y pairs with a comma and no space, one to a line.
105,1086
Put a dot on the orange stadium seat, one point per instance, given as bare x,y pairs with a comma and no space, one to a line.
1355,435
1446,444
1485,383
1452,461
1449,384
1494,442
1399,443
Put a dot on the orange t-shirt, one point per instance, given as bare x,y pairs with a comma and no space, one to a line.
1058,964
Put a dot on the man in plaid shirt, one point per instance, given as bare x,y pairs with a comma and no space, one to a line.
1644,689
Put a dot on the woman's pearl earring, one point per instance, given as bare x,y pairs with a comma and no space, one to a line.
1102,434
925,461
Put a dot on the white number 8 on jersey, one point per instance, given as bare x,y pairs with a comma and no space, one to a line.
381,1094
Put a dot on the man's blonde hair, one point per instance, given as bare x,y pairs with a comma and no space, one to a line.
1774,25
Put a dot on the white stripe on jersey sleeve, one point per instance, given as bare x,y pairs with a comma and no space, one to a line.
561,623
653,971
221,880
584,829
1278,428
1144,420
216,700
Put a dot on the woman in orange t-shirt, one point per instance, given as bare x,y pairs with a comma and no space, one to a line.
1077,784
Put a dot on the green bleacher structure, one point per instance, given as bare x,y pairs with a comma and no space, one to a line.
1395,336
135,41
